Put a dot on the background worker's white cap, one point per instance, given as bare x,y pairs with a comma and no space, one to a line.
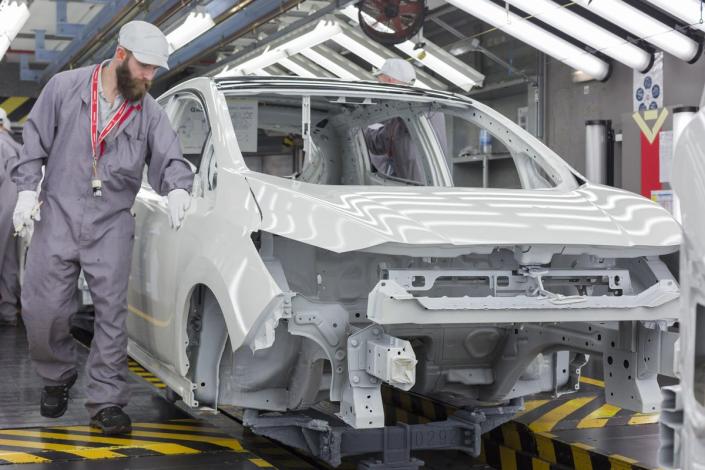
398,69
146,42
5,121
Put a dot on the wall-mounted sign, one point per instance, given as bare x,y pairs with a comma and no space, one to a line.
648,87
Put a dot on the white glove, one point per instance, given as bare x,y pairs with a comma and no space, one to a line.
179,200
26,212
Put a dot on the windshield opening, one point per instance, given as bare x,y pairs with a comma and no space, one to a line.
385,142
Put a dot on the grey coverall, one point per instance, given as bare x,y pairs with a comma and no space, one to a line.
80,231
400,155
9,280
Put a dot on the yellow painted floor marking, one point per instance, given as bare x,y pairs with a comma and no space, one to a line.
581,457
620,462
11,104
177,427
21,457
599,417
122,442
261,463
531,405
227,442
544,447
644,418
549,420
538,464
507,458
595,382
160,385
90,453
510,436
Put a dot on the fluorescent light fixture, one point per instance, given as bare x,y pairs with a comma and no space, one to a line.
587,32
296,69
535,36
433,57
322,32
13,16
196,23
330,65
686,10
645,27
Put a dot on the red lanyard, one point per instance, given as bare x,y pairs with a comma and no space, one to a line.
120,115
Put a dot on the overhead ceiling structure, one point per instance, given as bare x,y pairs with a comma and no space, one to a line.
629,31
304,43
464,46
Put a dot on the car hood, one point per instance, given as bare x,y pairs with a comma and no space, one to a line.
346,218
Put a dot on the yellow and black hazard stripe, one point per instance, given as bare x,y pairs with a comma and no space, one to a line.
529,445
68,443
547,449
17,107
144,374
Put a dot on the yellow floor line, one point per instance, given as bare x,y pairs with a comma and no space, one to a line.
599,417
581,456
261,463
644,418
538,464
21,457
510,436
161,447
227,442
544,447
507,458
620,462
549,420
177,427
595,382
90,453
531,405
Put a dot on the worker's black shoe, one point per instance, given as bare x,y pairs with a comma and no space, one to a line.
55,399
111,421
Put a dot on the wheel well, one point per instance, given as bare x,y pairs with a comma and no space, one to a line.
206,334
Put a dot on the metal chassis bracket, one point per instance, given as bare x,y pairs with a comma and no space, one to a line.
330,440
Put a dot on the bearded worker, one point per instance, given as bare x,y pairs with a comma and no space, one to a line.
93,128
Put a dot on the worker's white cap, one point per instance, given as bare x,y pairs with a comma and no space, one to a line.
5,121
146,42
398,69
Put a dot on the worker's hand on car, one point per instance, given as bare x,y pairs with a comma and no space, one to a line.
26,212
179,200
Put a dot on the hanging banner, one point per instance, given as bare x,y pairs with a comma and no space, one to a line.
650,123
648,87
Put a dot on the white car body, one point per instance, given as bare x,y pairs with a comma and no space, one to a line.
271,291
683,413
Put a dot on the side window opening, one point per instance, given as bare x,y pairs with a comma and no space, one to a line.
192,128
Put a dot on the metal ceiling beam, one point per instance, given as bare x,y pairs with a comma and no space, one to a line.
94,31
156,12
103,28
317,15
243,21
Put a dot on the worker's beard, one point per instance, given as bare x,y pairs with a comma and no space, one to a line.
132,89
